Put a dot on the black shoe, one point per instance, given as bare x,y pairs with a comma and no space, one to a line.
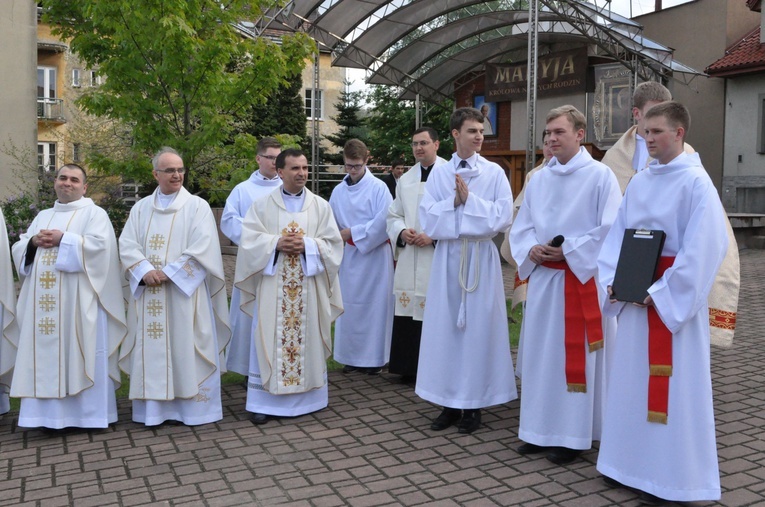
374,370
447,417
408,379
471,421
613,483
649,499
257,418
563,455
349,369
527,448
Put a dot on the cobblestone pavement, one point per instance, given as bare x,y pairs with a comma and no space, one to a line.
371,447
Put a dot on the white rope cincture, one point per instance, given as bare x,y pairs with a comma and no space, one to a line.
464,277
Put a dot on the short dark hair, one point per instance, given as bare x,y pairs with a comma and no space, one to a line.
289,152
432,133
397,162
461,115
74,166
677,115
650,91
266,143
355,149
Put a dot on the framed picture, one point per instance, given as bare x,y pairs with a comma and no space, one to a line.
611,105
489,111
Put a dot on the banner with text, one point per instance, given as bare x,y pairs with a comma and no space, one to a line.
557,73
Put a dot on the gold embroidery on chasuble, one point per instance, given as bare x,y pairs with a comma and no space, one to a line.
154,301
722,319
404,299
47,290
291,331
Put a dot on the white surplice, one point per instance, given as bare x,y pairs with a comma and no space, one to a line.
71,321
363,332
678,460
579,201
465,359
237,204
410,281
293,301
8,325
177,331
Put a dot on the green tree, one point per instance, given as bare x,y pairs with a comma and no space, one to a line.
176,72
352,124
391,122
282,113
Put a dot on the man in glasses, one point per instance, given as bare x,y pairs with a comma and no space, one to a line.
360,204
71,313
414,252
177,307
261,182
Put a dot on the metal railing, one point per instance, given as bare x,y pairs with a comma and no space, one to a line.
50,109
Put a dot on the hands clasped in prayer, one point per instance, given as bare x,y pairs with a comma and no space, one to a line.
291,244
412,237
47,238
155,277
546,253
462,191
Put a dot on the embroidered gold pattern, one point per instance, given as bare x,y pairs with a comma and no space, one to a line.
155,260
202,396
154,307
47,302
404,300
49,257
154,289
48,279
155,330
189,269
47,325
722,319
157,241
292,314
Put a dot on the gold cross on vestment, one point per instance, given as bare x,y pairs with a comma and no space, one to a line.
156,331
188,267
47,302
48,279
404,300
155,260
49,257
47,325
154,307
154,289
157,241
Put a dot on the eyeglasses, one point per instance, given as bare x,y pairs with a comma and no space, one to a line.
415,144
269,157
352,167
172,170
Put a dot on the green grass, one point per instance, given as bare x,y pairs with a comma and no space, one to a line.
513,321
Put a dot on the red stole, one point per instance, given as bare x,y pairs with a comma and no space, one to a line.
582,313
659,357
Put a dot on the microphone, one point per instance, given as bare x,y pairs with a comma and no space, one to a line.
556,241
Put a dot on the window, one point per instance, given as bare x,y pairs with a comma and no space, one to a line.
46,157
76,152
76,78
46,83
761,124
309,105
95,79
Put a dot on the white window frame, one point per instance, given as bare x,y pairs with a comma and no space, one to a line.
76,78
49,83
308,103
95,79
46,156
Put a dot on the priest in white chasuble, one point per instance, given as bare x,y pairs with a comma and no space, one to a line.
360,203
260,183
573,198
465,362
8,324
177,304
413,250
71,313
287,271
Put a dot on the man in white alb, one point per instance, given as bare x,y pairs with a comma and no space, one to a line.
177,304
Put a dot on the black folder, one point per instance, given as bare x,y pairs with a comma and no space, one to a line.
636,269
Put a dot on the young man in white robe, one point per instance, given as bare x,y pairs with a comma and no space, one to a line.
414,252
360,204
658,425
575,197
8,324
629,156
260,183
465,362
287,269
70,311
177,304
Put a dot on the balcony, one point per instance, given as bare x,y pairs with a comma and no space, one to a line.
51,110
